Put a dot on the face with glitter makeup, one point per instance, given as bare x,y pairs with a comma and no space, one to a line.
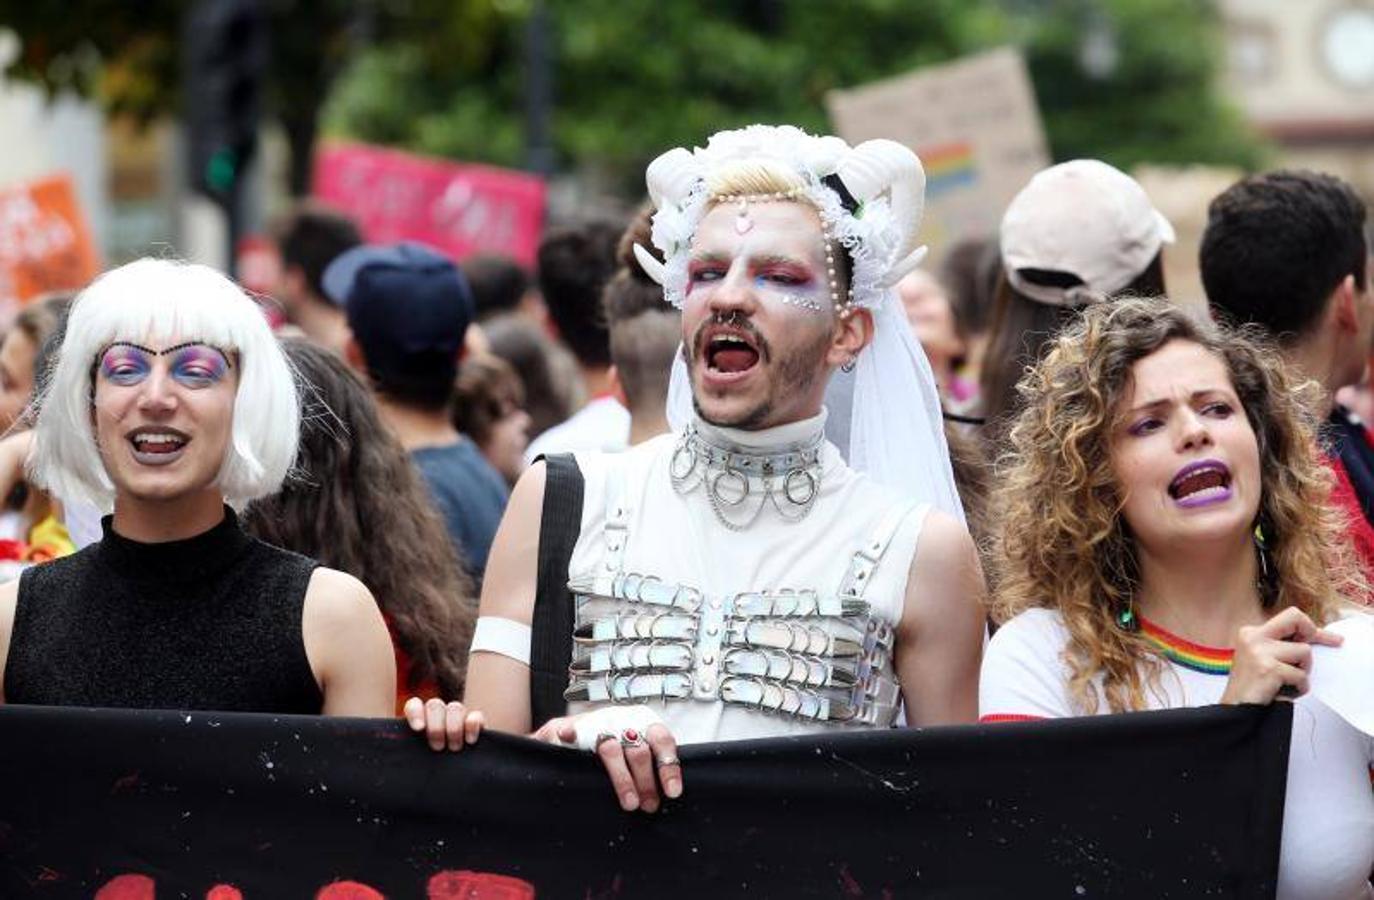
163,417
760,328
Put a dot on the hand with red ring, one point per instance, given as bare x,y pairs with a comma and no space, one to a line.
639,760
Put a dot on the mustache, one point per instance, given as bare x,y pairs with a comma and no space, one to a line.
733,320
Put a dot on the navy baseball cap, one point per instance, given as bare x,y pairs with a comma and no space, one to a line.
408,306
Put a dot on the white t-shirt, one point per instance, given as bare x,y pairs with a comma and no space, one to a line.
1328,822
602,424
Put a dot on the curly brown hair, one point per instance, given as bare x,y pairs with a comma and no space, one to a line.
355,503
1063,543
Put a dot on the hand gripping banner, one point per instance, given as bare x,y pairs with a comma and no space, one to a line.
127,805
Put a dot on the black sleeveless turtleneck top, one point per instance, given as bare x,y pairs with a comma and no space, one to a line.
208,623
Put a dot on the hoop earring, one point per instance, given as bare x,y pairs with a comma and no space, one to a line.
848,365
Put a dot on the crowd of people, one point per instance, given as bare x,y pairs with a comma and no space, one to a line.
739,467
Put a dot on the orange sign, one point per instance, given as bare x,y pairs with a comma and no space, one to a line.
44,242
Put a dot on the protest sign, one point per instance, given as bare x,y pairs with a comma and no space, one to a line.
458,208
975,125
45,244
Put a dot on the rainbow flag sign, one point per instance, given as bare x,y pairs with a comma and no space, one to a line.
974,123
948,167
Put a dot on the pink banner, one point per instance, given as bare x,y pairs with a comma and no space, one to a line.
460,208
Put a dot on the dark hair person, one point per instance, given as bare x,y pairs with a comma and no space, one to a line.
1286,251
1277,245
500,287
575,262
490,409
1166,542
311,237
355,503
533,355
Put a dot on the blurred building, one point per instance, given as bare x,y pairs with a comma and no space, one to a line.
1303,71
47,136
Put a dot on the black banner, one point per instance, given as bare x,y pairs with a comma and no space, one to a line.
130,805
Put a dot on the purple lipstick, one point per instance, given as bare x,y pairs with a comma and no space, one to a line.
1202,483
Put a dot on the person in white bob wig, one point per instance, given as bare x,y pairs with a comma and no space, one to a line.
171,405
153,301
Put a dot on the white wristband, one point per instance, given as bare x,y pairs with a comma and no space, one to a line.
507,637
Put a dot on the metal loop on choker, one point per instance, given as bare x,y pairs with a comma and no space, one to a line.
788,486
739,478
790,480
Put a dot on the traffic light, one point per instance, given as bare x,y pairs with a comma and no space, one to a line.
225,43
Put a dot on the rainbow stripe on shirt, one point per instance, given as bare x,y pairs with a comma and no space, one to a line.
1207,660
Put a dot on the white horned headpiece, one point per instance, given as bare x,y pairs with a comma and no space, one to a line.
885,415
870,199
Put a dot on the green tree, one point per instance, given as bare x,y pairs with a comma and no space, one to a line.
634,76
443,79
1133,81
1123,80
128,56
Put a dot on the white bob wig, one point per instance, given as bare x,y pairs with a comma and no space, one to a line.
156,301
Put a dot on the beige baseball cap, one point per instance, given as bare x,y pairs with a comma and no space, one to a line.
1085,218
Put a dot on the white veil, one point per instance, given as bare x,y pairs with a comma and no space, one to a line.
885,416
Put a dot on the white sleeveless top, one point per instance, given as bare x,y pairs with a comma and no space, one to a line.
677,538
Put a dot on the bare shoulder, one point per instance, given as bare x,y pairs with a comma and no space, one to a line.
945,569
327,582
944,550
508,586
348,645
9,601
335,598
525,509
940,635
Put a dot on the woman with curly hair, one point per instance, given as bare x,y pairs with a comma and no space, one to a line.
356,503
1165,541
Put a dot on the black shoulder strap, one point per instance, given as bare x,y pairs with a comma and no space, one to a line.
551,640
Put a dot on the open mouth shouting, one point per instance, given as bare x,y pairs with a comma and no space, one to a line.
730,351
1202,483
157,445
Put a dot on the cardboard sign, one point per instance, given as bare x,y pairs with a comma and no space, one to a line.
132,805
976,127
461,209
45,244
